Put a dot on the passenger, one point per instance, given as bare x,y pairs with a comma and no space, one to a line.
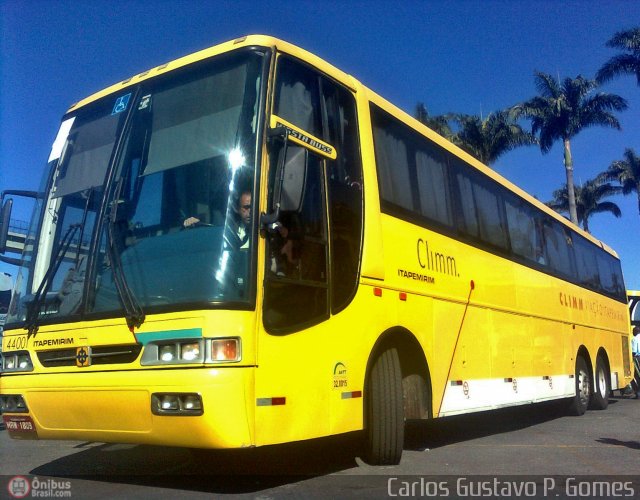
282,245
635,350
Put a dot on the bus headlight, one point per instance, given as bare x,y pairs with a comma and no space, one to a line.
18,361
173,352
191,351
167,353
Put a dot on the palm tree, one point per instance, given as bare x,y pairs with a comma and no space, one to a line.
627,173
627,63
438,123
588,200
562,110
488,139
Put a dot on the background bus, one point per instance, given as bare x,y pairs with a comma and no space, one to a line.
349,269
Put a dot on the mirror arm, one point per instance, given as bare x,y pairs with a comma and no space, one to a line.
23,193
267,220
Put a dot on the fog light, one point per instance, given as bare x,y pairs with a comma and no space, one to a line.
13,403
170,402
189,352
192,403
176,404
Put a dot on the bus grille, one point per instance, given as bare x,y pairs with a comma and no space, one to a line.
102,355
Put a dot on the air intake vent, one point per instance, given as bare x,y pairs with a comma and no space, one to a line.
100,355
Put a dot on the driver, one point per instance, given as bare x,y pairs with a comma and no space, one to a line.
237,230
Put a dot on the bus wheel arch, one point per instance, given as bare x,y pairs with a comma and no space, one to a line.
397,387
416,379
601,382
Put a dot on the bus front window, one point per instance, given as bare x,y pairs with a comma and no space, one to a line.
189,158
128,171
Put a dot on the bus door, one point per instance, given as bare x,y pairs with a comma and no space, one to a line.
313,233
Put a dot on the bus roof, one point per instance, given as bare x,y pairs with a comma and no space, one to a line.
245,41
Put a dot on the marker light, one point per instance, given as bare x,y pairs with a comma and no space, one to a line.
225,349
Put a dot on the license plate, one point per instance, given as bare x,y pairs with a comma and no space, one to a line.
20,426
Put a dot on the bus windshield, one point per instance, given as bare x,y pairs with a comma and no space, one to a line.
150,201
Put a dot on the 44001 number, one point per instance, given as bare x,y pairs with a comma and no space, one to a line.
15,343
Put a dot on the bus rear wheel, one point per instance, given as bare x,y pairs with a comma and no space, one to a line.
600,398
580,401
384,417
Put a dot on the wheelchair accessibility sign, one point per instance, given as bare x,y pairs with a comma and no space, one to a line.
121,104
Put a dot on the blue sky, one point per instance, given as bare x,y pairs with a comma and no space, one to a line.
469,57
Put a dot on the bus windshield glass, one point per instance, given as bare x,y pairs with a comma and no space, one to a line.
151,198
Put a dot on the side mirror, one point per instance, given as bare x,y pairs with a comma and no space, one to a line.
5,217
293,182
291,169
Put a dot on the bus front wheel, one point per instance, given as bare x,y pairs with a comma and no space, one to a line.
384,416
580,401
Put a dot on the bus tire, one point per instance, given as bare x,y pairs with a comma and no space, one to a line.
384,417
580,401
602,386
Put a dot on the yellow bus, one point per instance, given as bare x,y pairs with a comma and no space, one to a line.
246,246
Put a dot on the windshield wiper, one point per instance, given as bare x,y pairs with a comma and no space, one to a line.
33,310
133,311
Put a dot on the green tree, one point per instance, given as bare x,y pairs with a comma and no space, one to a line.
488,139
562,110
626,63
438,123
627,173
588,200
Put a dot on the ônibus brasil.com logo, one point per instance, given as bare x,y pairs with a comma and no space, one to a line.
21,487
